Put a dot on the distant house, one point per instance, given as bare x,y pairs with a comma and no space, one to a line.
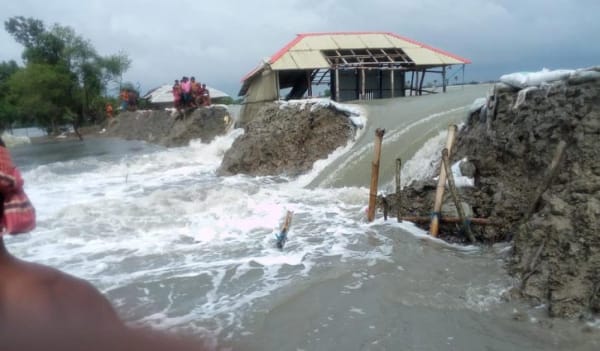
162,96
366,65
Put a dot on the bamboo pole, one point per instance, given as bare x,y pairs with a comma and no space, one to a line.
398,198
375,174
550,174
454,192
288,222
439,195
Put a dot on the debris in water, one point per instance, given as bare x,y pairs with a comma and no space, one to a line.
282,236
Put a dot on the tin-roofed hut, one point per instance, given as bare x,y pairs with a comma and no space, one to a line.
362,65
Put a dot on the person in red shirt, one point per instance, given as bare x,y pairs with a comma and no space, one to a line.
109,111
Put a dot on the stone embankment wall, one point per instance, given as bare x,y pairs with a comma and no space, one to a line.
172,128
509,144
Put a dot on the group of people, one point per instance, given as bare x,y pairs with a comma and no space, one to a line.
189,93
128,100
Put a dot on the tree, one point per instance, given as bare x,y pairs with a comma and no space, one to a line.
73,63
40,45
113,67
26,31
42,93
8,111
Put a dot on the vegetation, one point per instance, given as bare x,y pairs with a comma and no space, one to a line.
64,80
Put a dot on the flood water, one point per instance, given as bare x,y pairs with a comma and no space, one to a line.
175,246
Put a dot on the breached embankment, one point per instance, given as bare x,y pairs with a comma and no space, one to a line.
287,138
171,129
507,146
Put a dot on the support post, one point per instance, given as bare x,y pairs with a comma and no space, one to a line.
412,81
277,86
337,84
444,79
362,84
309,84
398,198
550,174
380,75
455,198
421,82
439,194
392,84
375,174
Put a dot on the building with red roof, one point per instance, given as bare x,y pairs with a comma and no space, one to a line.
353,65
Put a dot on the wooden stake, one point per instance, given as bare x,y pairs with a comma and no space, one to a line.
550,174
398,198
288,222
439,195
375,174
454,192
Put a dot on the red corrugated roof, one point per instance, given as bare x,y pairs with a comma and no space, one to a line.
301,36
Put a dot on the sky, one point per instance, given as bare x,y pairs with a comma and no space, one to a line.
218,42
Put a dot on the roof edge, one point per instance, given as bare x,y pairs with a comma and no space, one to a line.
439,51
285,49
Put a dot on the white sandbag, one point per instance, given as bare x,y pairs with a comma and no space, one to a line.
530,79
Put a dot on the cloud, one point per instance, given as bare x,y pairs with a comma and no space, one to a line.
219,42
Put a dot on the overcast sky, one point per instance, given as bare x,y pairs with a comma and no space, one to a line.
220,41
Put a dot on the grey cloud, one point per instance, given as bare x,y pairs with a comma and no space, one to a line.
221,41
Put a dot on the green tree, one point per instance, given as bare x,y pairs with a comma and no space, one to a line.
42,93
59,53
8,111
40,45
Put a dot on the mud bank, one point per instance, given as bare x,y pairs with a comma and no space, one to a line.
287,138
171,128
507,146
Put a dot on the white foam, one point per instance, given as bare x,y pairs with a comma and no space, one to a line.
425,163
417,232
477,104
